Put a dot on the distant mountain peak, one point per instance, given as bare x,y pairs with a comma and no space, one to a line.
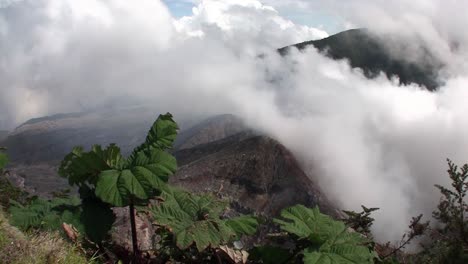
369,52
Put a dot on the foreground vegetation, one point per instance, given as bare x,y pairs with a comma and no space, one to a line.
196,228
42,247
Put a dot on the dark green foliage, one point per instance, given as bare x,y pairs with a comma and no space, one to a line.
81,168
195,220
46,214
7,190
97,219
10,192
3,160
243,225
34,213
270,255
452,209
322,239
449,243
362,221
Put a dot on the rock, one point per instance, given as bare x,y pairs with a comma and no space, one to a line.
121,234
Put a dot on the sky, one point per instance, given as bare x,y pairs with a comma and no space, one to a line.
295,11
180,8
372,142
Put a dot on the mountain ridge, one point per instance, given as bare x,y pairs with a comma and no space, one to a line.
368,52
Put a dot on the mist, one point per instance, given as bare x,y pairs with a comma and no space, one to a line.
371,142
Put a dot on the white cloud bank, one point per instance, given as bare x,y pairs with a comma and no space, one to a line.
246,22
368,141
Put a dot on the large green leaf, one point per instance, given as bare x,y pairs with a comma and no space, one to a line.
161,135
81,167
118,180
344,248
145,171
333,243
204,233
195,219
187,207
179,210
119,187
307,223
341,254
243,225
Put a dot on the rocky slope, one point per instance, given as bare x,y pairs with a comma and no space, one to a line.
210,130
50,138
255,172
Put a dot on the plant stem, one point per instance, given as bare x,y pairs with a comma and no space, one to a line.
218,258
395,250
134,233
460,204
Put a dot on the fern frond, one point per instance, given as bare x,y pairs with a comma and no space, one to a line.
333,243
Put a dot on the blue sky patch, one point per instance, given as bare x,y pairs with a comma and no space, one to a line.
330,24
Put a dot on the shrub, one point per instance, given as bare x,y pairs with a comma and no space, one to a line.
449,240
318,239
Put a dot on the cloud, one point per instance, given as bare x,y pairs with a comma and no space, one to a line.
244,23
369,142
65,55
74,55
437,25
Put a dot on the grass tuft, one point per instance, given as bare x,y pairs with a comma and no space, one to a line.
38,248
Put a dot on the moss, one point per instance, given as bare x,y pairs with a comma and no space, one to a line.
41,248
